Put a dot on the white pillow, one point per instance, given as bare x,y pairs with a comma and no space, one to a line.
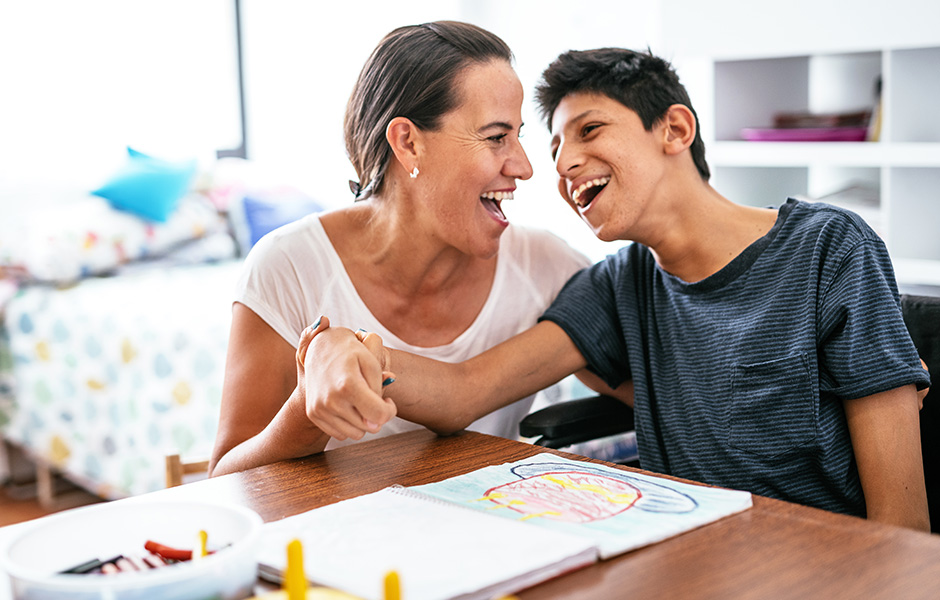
85,236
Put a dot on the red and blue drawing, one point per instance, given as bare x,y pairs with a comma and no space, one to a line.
583,494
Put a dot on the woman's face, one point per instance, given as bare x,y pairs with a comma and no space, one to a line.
470,164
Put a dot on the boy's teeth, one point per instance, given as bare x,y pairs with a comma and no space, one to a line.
499,196
575,195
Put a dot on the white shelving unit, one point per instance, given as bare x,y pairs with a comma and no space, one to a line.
896,179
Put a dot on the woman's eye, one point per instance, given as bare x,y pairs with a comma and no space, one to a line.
497,138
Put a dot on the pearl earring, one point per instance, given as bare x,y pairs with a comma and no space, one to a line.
414,174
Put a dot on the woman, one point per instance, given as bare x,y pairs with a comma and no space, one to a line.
432,128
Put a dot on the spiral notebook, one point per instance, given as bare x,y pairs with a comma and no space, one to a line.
493,531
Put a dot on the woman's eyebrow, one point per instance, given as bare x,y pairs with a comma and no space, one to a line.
498,125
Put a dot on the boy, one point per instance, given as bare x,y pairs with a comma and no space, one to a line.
765,347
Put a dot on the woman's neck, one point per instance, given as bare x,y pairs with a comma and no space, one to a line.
424,291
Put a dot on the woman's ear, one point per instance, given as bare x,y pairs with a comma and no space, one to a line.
678,128
404,138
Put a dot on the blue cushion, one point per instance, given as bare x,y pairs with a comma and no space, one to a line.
147,186
267,212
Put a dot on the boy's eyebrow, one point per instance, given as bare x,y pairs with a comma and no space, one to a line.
574,120
581,116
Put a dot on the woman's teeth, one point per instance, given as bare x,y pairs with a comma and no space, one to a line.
576,194
498,196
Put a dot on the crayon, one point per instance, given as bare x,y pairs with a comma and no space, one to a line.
392,586
89,566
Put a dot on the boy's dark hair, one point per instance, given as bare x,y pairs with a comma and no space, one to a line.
412,73
644,83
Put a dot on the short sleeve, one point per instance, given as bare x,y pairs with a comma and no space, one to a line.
270,288
542,258
864,346
586,309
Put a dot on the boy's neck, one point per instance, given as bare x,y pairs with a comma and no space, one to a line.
708,231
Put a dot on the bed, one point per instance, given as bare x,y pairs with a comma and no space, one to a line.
114,328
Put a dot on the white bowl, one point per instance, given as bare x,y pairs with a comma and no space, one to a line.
36,556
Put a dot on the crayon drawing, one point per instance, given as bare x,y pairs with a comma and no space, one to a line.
618,509
557,492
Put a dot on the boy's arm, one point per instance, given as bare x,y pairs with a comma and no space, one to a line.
623,392
347,401
447,397
885,432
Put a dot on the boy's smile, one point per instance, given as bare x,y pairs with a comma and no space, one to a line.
587,191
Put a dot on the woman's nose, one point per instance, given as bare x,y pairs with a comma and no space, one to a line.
518,165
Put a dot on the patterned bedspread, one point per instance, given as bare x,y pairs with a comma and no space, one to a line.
107,377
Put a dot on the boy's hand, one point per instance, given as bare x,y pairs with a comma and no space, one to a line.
922,393
340,379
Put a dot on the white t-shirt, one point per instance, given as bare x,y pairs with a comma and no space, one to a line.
293,275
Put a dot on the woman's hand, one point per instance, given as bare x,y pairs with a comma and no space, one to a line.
340,375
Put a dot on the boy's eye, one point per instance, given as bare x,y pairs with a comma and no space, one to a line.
589,128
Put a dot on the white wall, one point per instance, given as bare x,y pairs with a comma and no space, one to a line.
745,28
79,81
301,61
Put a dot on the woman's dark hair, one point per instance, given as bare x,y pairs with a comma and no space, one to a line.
411,73
644,83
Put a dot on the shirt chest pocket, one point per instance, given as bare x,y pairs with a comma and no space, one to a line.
773,407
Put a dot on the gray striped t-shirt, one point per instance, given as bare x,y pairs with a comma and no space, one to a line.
740,377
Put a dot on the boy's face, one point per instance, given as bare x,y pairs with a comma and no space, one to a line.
609,166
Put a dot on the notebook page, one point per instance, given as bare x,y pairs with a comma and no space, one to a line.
619,510
440,551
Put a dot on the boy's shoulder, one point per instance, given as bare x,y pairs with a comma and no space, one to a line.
827,221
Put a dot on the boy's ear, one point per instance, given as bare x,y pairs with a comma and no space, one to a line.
678,128
404,138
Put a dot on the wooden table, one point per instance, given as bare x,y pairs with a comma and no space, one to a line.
774,550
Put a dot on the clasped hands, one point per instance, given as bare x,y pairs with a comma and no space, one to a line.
340,377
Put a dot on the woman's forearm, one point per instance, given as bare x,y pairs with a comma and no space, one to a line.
289,435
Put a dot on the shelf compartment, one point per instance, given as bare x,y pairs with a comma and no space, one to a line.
748,93
912,99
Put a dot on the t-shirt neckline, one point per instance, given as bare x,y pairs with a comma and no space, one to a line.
738,265
389,338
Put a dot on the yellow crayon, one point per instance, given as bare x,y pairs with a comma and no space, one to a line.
200,549
295,582
392,586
